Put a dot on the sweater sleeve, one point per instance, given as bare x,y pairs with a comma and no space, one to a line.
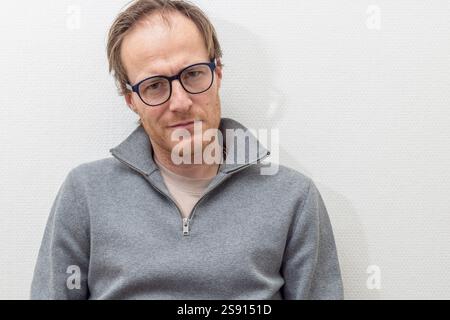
310,264
61,269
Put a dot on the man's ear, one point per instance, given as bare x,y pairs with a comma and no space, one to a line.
130,103
219,73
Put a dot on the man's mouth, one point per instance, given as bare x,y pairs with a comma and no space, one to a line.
184,124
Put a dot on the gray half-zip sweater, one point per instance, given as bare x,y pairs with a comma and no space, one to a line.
114,232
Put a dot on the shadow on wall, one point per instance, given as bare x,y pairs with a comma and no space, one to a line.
351,243
248,92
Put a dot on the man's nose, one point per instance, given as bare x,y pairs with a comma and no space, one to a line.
180,100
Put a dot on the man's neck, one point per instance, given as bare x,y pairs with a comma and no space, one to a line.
193,171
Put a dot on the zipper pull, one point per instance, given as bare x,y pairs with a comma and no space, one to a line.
185,226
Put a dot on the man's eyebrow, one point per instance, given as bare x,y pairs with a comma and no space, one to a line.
153,74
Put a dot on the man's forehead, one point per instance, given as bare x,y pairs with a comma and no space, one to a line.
143,66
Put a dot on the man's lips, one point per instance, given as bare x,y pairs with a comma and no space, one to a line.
183,124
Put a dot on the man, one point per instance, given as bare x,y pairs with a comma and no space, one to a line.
140,225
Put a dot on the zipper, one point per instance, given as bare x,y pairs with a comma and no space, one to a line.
187,221
185,226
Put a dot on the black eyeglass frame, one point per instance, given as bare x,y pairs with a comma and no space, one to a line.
135,88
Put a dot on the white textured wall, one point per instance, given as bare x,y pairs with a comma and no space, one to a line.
358,89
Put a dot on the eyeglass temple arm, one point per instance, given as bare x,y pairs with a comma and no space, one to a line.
129,87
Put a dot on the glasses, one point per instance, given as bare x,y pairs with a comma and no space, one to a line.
157,90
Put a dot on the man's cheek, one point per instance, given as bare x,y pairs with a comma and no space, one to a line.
169,139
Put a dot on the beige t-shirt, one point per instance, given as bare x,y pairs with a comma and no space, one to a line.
185,191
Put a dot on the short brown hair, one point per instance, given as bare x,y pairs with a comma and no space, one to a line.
137,10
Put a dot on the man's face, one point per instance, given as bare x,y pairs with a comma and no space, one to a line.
152,48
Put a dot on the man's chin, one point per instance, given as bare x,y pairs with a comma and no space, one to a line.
189,149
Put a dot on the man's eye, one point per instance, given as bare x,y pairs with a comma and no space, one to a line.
194,74
153,86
